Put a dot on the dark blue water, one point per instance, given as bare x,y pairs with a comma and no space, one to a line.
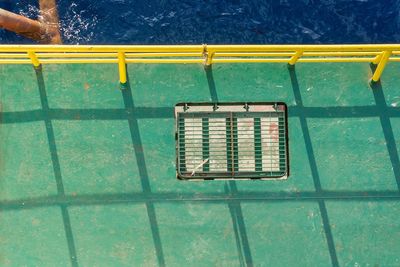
219,21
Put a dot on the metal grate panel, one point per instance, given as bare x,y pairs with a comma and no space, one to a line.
231,141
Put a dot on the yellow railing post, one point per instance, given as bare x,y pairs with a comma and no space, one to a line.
34,59
381,66
208,56
295,57
122,67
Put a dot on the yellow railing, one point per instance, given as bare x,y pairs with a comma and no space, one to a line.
201,54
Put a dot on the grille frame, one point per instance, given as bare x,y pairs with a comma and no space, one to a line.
237,111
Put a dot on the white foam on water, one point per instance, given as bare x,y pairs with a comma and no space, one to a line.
78,25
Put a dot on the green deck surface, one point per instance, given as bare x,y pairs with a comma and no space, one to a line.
87,170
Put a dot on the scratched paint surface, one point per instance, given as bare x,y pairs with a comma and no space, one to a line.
87,170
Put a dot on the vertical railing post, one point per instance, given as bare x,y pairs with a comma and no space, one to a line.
295,57
208,56
34,59
381,66
208,60
122,67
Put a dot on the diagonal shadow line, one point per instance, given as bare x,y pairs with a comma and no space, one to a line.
232,211
168,112
313,166
235,208
239,226
141,163
211,83
56,166
386,127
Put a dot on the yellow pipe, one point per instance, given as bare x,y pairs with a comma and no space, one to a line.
136,55
122,67
296,57
15,61
161,61
189,61
34,59
192,60
253,54
102,61
113,55
250,60
146,55
283,60
199,48
85,58
328,48
10,55
79,61
337,59
381,66
394,59
152,54
77,55
338,54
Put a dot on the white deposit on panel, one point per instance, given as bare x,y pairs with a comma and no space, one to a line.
245,127
193,144
217,144
270,143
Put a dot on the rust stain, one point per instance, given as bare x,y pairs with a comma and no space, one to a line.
86,86
138,148
35,222
274,131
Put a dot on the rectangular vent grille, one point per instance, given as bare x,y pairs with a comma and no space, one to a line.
231,141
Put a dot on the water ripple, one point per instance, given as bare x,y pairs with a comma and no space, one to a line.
220,21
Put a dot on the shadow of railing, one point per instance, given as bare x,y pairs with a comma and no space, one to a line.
141,164
235,208
384,118
313,167
56,165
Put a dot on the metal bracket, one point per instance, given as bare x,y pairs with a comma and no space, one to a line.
246,106
215,106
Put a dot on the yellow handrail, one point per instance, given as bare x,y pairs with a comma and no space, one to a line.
378,54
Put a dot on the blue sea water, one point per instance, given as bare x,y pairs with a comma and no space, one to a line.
219,21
